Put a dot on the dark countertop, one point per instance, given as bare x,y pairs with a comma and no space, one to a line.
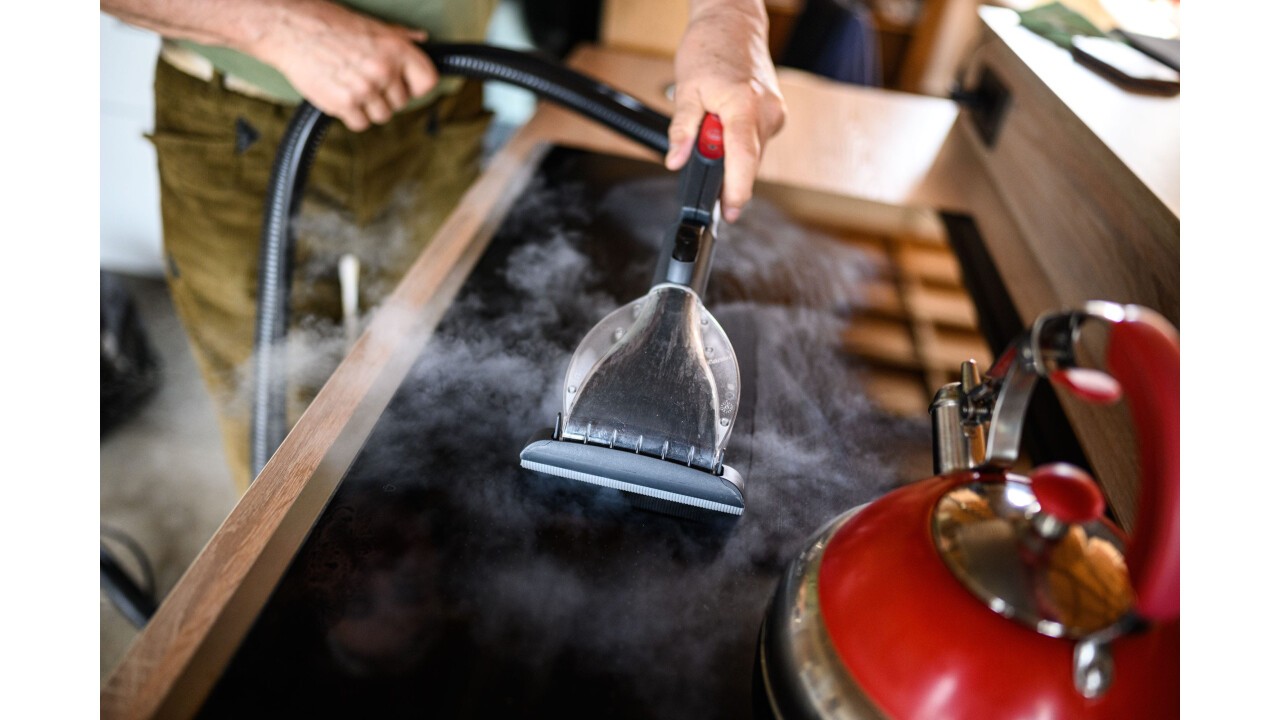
444,580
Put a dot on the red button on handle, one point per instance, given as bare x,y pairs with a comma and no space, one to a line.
1067,493
711,137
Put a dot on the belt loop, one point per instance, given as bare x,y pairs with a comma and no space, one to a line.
219,81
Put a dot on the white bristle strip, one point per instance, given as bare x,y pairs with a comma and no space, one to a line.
638,489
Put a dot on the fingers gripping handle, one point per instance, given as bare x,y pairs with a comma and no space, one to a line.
1143,357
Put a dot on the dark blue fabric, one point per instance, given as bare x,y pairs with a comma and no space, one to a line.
835,39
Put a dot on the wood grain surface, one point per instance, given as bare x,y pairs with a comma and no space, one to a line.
1141,130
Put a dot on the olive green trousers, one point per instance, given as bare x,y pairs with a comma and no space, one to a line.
379,195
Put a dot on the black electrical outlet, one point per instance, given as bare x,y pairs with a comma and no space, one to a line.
988,101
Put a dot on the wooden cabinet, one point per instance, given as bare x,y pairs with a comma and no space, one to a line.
1085,177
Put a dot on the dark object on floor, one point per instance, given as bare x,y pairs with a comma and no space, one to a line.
136,601
835,39
130,366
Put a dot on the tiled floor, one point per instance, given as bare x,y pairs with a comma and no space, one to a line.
163,480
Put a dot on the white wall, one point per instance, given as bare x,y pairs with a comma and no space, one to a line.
130,216
130,209
512,106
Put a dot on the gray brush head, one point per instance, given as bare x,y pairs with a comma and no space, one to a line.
630,472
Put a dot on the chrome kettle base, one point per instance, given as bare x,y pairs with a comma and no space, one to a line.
795,655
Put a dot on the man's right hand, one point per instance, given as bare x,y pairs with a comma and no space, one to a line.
351,66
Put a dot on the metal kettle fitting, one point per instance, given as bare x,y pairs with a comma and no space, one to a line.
978,421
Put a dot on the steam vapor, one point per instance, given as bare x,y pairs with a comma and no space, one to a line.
444,570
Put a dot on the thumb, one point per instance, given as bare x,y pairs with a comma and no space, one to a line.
414,34
685,122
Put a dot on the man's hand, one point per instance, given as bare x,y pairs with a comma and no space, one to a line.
723,66
351,66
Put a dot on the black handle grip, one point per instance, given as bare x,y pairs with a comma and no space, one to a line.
552,81
704,173
686,253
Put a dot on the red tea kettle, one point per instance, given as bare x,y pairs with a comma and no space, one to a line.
981,593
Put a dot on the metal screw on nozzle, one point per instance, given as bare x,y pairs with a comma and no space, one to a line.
969,375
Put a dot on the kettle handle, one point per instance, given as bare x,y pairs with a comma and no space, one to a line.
1144,357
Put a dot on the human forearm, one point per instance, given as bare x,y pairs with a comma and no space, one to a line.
350,65
238,24
723,66
752,10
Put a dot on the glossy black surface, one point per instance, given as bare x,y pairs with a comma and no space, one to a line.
443,580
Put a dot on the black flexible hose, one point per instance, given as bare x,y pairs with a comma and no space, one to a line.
275,269
545,78
552,81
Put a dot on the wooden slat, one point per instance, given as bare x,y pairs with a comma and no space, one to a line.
880,297
913,292
937,265
899,392
947,306
953,347
883,341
